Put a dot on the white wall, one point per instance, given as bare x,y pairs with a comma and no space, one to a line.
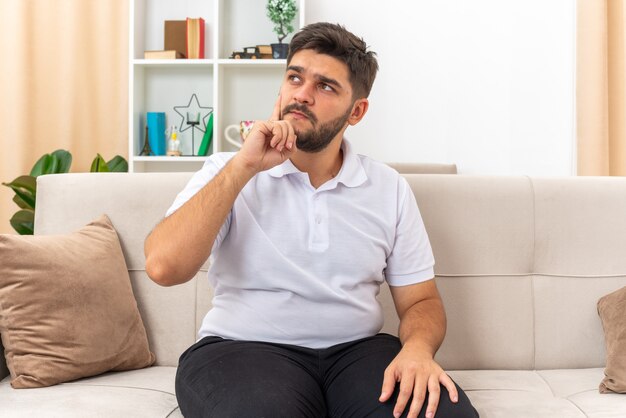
486,84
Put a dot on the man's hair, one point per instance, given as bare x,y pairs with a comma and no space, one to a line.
336,41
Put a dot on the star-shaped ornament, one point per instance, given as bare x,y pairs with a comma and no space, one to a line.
194,108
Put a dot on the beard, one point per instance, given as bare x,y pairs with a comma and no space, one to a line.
319,136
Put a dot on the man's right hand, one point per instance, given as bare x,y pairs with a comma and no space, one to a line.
268,144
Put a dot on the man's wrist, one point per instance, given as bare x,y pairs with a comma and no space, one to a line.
243,167
418,346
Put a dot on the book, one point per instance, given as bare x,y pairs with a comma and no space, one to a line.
175,36
195,37
265,49
206,139
166,55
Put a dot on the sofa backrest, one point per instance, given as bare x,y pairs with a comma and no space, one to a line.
520,262
423,168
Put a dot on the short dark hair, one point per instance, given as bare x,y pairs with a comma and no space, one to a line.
334,40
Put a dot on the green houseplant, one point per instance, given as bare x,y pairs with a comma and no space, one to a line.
281,13
59,161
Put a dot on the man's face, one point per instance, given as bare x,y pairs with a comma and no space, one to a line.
316,98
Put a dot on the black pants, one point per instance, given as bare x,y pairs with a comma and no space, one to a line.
244,379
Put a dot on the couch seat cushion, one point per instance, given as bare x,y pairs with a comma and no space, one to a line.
138,393
544,393
150,393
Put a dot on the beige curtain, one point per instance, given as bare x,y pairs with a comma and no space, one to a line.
601,93
63,84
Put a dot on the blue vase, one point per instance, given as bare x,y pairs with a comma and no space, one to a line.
156,132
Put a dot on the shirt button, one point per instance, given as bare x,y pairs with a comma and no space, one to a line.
318,220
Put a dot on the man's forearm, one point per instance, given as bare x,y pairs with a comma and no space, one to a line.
423,326
179,245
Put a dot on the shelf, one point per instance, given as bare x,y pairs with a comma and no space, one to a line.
251,63
167,159
156,63
173,63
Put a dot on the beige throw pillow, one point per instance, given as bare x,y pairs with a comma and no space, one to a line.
612,311
67,308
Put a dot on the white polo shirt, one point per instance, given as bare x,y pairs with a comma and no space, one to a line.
298,265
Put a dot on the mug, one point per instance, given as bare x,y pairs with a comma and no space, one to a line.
236,134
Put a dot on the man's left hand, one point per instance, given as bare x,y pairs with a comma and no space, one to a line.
417,372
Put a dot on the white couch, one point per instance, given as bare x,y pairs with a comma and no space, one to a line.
520,263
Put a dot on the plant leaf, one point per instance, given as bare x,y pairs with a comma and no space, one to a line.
98,165
23,221
64,159
20,202
118,164
26,188
58,161
28,183
41,166
54,164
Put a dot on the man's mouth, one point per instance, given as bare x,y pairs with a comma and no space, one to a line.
300,112
298,115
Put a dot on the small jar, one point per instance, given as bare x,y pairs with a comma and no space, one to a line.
173,143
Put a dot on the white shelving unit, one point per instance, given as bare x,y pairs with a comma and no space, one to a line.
235,89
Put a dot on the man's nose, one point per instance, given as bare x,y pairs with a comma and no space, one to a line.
304,94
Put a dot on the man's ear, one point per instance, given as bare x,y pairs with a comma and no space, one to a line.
359,109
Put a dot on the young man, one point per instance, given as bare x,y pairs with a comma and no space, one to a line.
301,232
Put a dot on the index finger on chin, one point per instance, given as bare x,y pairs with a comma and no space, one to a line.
276,113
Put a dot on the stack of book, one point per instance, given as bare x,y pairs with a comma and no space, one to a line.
182,39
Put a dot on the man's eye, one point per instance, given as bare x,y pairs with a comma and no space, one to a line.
326,87
294,78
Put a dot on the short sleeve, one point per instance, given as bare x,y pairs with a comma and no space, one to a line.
411,259
211,167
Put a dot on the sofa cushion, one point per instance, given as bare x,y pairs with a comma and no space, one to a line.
570,393
563,393
612,311
140,393
67,308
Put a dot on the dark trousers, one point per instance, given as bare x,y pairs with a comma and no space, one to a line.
244,379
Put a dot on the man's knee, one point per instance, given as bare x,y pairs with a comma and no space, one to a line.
274,402
248,380
445,409
461,409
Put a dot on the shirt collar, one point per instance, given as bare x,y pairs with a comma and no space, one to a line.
352,173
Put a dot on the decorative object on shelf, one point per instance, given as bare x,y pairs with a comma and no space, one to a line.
59,161
206,139
195,38
156,132
173,143
175,36
249,52
185,111
193,119
253,52
281,13
242,130
146,150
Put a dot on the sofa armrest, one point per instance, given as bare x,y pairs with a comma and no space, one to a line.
4,371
